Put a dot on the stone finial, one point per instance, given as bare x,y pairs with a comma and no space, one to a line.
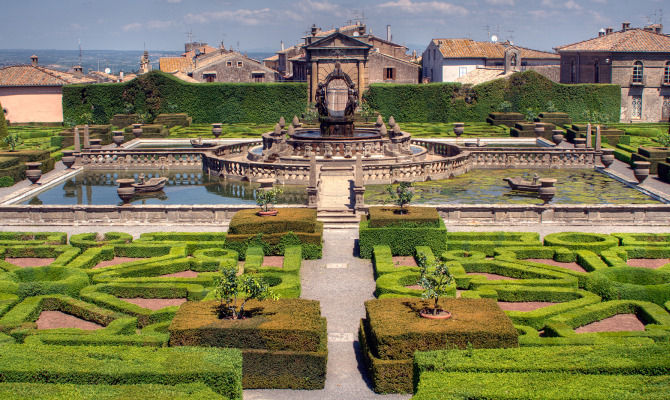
87,137
77,142
588,135
396,130
282,122
277,130
358,174
296,121
391,121
291,129
599,138
379,122
382,130
312,170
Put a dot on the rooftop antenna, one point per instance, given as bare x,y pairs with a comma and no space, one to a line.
189,34
511,36
488,31
79,42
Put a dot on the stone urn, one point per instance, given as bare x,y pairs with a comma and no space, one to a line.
459,128
33,171
68,158
117,138
641,170
137,130
607,157
125,190
96,144
557,136
217,130
547,189
580,143
539,129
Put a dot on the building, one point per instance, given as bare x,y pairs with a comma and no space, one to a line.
447,60
636,59
364,57
204,63
33,93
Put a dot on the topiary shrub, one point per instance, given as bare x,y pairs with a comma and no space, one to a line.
630,283
594,242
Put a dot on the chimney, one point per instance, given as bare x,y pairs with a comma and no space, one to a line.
601,32
282,45
659,29
78,69
625,26
388,33
609,31
315,30
33,59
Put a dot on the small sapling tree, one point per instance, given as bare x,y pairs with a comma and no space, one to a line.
230,289
401,196
12,141
266,197
436,280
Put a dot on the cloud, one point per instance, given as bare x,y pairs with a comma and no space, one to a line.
150,25
174,1
417,7
243,16
501,2
568,5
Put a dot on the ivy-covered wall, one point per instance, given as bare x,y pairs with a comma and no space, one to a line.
448,102
156,92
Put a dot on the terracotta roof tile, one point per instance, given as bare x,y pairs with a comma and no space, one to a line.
468,48
172,64
32,75
632,40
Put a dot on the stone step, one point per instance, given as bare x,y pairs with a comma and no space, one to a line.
338,218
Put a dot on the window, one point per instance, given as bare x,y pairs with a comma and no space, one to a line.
389,74
573,71
229,63
596,72
239,64
462,71
666,73
637,107
638,72
209,76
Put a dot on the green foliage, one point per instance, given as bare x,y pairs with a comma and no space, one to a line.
663,139
530,114
229,288
550,107
12,141
412,217
581,241
68,391
401,195
402,240
156,92
266,197
487,242
444,102
3,124
505,107
436,280
6,181
630,283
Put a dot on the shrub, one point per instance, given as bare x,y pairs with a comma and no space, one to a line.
31,238
283,343
594,242
155,92
68,391
26,282
402,240
382,259
220,369
486,242
6,181
87,240
629,283
233,292
247,222
380,217
3,124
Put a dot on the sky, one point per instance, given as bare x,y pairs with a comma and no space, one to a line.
260,25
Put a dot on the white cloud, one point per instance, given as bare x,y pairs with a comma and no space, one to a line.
174,1
501,2
568,5
151,25
425,7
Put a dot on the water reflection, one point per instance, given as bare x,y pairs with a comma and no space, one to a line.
182,187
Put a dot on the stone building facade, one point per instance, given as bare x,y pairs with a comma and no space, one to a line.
636,59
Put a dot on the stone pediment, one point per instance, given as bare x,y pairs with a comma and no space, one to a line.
339,40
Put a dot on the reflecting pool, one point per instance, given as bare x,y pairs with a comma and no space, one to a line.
486,186
183,187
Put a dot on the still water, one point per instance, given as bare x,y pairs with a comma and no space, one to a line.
183,187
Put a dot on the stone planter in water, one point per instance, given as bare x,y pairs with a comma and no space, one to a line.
641,170
118,138
125,190
547,190
137,130
33,172
607,158
459,128
557,136
68,158
217,130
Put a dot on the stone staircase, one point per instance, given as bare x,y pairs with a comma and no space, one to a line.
334,205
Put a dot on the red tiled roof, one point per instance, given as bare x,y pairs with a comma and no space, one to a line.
468,48
172,64
34,75
632,40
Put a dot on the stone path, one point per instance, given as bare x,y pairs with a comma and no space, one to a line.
342,283
334,192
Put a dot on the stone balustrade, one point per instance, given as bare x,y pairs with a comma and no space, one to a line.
142,159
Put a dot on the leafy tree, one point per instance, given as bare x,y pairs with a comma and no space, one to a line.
551,107
401,196
229,288
505,106
530,114
12,141
436,279
3,124
266,197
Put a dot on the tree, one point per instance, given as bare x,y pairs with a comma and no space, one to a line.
401,196
266,197
230,288
3,124
436,280
12,141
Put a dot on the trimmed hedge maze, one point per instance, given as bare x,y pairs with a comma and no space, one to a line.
587,310
65,304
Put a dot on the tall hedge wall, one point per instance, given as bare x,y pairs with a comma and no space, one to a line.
158,92
446,102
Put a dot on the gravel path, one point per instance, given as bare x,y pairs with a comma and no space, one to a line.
342,283
617,323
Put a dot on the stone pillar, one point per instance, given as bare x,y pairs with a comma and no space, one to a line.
77,142
87,138
358,174
598,138
588,136
359,189
314,81
360,81
312,170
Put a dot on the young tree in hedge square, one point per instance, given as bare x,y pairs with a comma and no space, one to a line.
401,196
230,287
436,279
